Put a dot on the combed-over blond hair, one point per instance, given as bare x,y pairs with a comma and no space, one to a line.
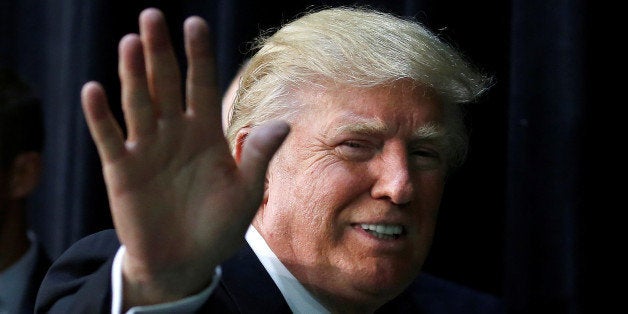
360,48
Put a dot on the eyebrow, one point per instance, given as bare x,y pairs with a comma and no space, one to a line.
363,127
431,131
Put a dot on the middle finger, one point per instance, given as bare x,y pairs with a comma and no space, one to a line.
164,76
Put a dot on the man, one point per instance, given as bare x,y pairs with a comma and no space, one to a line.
339,219
23,261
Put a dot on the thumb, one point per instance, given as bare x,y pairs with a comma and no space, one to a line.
260,146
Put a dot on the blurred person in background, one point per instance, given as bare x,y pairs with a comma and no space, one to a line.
23,262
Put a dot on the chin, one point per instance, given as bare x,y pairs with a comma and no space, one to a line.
384,282
365,295
364,287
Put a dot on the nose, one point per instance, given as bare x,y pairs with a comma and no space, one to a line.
393,176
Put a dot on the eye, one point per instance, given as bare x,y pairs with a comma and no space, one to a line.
426,158
353,144
356,150
426,153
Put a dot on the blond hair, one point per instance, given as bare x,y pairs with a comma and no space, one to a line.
359,48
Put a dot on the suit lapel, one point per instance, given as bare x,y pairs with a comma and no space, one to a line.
250,287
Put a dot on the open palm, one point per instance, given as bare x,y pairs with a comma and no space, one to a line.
179,200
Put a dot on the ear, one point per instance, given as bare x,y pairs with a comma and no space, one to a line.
24,174
237,154
243,133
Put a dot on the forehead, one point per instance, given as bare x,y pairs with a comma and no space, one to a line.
383,108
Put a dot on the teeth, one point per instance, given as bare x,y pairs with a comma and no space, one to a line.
383,231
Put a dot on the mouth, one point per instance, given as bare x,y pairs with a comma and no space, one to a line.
383,231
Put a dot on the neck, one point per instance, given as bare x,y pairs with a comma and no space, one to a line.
14,242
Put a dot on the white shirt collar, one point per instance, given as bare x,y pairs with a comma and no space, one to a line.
298,298
14,280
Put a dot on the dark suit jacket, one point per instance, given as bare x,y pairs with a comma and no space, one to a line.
42,263
80,282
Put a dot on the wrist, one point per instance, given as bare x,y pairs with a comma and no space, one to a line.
145,285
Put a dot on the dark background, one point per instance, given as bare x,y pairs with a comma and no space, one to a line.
517,220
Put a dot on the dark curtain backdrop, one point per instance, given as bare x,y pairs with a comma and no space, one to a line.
516,219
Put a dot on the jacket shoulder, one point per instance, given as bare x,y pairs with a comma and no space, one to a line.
80,276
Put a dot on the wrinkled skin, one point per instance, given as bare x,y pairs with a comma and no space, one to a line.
355,156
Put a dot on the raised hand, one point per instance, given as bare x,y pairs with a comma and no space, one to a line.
180,203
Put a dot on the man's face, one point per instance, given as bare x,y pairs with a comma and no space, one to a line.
353,194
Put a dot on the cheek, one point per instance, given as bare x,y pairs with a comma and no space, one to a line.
430,191
317,177
307,194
